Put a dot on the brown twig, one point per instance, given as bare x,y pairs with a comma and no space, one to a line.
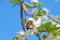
53,19
22,15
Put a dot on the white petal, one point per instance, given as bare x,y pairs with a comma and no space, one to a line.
21,33
38,22
51,37
34,11
45,17
54,23
36,1
32,19
58,37
35,30
58,25
29,32
46,9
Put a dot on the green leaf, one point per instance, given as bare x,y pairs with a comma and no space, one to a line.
21,1
54,32
37,12
43,13
15,1
12,0
24,21
28,7
37,4
41,27
58,33
49,27
35,18
45,36
15,38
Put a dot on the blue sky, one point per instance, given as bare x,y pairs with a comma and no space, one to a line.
9,17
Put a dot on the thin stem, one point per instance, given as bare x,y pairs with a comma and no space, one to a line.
22,15
53,19
38,36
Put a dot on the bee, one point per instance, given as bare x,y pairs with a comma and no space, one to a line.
30,23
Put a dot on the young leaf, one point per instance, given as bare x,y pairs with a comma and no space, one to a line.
45,36
54,32
28,7
41,28
12,0
37,4
21,1
15,38
16,1
24,21
43,13
36,12
58,33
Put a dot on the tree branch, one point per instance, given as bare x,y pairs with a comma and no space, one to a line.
22,15
53,19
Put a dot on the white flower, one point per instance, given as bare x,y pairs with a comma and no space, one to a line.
36,1
52,20
32,19
58,37
25,7
35,11
45,17
29,32
54,23
46,9
51,37
38,22
35,30
58,25
21,35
